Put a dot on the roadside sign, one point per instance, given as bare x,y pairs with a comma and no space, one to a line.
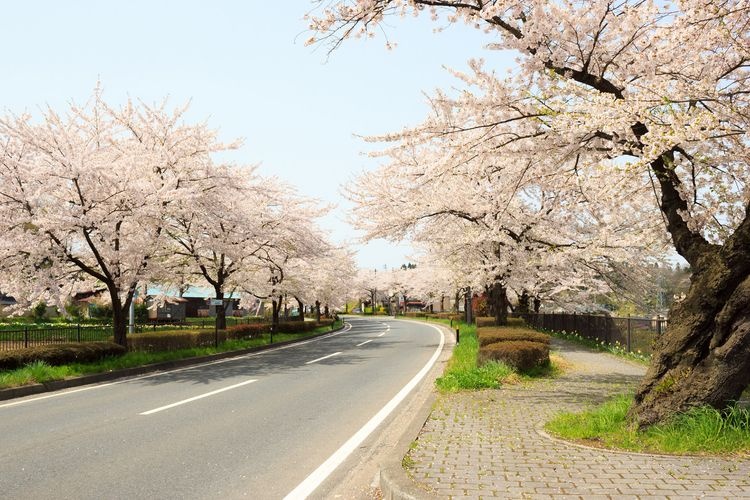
216,302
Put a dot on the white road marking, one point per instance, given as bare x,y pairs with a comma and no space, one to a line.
383,333
195,398
365,342
176,370
324,357
306,487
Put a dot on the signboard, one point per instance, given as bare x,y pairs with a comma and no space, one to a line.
216,302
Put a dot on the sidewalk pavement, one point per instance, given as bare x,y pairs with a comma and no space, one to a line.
491,444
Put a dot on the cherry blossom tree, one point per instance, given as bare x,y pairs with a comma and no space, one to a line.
657,90
85,196
242,227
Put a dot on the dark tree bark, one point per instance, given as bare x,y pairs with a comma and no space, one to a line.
221,311
317,310
499,299
468,307
537,304
326,312
704,357
301,308
524,303
275,309
119,318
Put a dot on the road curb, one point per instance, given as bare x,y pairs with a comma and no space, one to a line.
56,385
395,483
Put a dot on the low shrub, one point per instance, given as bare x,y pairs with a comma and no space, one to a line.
412,314
492,335
453,316
303,326
516,322
59,354
248,330
523,355
483,321
171,340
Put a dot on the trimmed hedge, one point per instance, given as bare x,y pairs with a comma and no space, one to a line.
497,334
521,354
248,330
60,354
173,340
451,315
413,314
186,339
483,321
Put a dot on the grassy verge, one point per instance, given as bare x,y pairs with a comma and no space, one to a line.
462,372
700,431
600,345
40,372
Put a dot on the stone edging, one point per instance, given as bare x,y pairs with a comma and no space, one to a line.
540,430
395,483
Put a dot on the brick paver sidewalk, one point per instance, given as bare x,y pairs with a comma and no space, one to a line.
488,444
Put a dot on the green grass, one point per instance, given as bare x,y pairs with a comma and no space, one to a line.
462,372
40,372
700,431
617,349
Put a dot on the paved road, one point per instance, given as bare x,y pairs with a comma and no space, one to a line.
255,426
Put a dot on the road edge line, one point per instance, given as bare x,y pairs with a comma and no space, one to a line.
316,478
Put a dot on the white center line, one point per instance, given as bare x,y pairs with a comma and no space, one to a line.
324,357
383,333
365,342
155,410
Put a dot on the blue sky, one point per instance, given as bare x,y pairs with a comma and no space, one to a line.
247,71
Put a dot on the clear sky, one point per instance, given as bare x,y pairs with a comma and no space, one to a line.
246,70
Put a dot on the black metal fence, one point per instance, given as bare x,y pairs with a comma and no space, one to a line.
632,334
33,335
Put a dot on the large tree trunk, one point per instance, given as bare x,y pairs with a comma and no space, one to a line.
317,311
524,303
221,311
301,308
704,356
119,316
499,297
275,309
468,307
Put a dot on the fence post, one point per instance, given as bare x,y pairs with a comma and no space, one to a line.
630,329
78,336
658,325
26,336
458,336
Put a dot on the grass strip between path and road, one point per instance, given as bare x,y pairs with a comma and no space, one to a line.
40,372
701,430
463,372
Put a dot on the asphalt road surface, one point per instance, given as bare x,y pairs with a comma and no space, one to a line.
266,425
